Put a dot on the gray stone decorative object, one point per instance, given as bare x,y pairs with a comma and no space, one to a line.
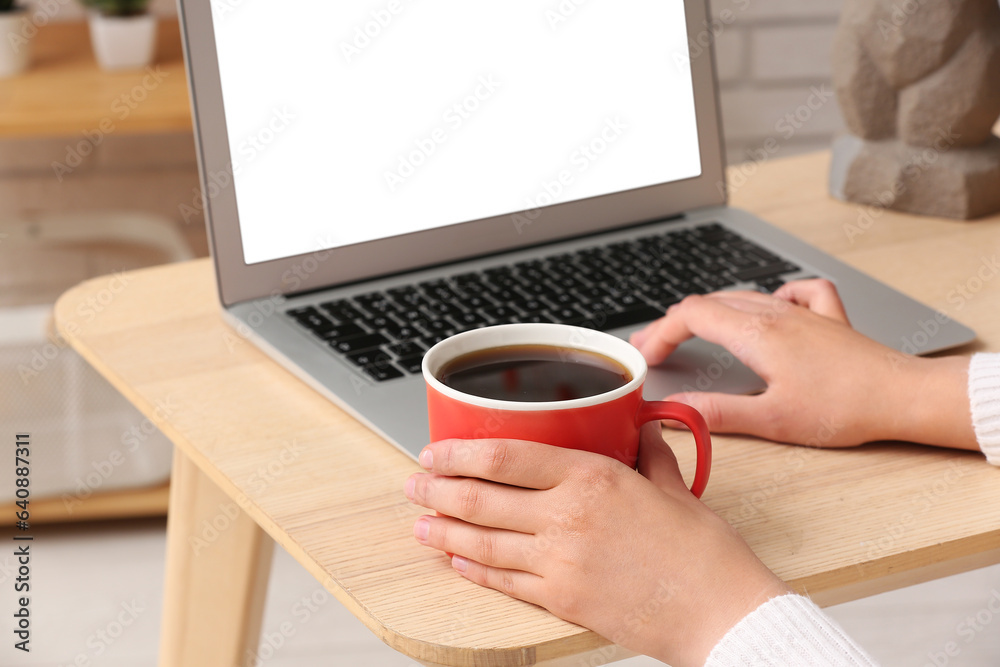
918,82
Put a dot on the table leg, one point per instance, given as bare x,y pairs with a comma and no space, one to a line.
218,563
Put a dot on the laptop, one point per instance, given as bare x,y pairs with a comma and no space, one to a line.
380,175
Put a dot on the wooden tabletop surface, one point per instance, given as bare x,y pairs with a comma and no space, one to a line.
65,93
835,524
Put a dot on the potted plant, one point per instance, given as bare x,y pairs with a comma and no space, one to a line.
16,32
122,32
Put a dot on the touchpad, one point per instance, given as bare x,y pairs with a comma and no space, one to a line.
698,365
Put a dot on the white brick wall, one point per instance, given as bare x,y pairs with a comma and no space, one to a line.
791,53
773,61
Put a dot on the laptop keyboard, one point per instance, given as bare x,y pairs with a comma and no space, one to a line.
386,333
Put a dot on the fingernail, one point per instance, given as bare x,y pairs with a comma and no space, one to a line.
427,459
421,529
460,564
408,487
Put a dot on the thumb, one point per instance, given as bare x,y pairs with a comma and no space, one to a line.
657,462
725,413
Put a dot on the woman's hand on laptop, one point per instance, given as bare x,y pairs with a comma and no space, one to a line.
634,557
827,384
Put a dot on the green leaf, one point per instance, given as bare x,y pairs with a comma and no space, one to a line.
117,7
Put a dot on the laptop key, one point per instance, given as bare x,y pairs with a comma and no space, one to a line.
756,273
476,301
568,282
358,343
314,321
631,316
507,295
671,275
623,300
505,281
529,306
342,310
410,299
716,282
567,315
411,315
407,348
529,264
598,277
437,326
661,295
593,263
431,341
441,308
469,319
377,322
501,314
383,372
401,331
560,299
471,285
411,364
557,261
302,313
592,293
376,302
711,232
626,270
533,274
440,290
537,289
741,262
369,357
342,331
471,276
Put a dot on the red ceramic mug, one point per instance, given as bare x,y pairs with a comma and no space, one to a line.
607,423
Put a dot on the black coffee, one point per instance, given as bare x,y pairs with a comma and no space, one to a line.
534,373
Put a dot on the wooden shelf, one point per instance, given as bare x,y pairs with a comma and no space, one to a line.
65,93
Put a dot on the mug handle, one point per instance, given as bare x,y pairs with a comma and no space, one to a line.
650,410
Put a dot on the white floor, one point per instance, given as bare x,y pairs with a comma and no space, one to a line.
96,593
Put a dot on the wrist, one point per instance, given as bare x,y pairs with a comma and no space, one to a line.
932,403
729,610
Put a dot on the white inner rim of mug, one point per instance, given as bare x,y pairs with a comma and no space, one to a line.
557,335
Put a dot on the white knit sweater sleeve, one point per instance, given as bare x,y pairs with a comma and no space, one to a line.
984,401
787,631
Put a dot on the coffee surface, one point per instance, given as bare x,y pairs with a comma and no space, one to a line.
533,373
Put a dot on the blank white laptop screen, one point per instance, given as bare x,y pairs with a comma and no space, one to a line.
352,121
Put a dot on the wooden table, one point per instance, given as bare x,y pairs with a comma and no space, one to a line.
261,456
65,93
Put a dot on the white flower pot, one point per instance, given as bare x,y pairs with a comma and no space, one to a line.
16,32
123,42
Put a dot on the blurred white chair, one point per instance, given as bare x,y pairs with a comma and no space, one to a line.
88,440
